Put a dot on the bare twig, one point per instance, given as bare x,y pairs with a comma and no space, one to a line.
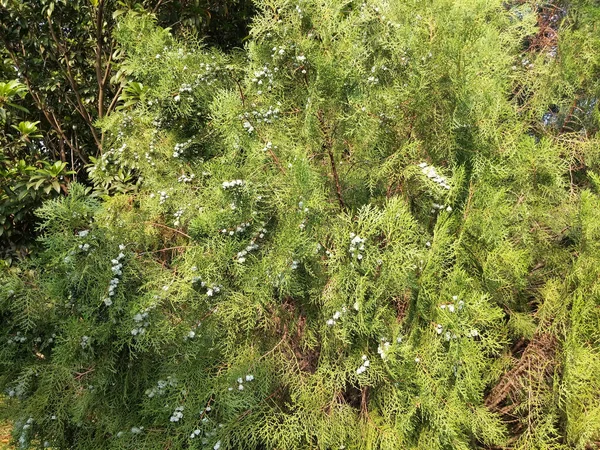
98,65
167,249
328,146
80,375
70,77
169,228
336,178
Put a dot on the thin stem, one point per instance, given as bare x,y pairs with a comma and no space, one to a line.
169,228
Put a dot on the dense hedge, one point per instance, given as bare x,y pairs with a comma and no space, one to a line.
375,227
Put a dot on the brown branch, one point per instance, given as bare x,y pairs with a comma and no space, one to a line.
469,198
80,375
114,100
61,147
50,117
569,115
73,164
277,161
364,399
155,9
275,158
338,187
80,107
102,86
248,411
328,145
167,249
241,91
169,228
108,64
274,348
72,146
71,79
98,65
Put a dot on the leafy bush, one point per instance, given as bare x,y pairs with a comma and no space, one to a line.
63,55
361,232
26,177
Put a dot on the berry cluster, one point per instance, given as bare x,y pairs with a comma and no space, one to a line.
161,387
359,242
239,229
117,271
384,348
268,146
336,316
363,367
177,414
232,184
85,342
83,247
185,178
264,115
141,322
215,289
450,307
17,339
179,148
210,74
431,173
240,382
438,207
262,76
177,216
241,255
163,197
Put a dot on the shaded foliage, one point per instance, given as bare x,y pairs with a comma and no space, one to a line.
62,55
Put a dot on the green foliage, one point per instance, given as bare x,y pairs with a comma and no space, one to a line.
23,188
62,53
26,178
8,91
363,231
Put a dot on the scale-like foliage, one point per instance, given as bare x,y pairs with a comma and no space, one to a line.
353,234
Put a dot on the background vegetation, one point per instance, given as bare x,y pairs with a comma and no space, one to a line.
60,72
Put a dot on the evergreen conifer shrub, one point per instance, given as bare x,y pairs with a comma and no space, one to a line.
375,227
